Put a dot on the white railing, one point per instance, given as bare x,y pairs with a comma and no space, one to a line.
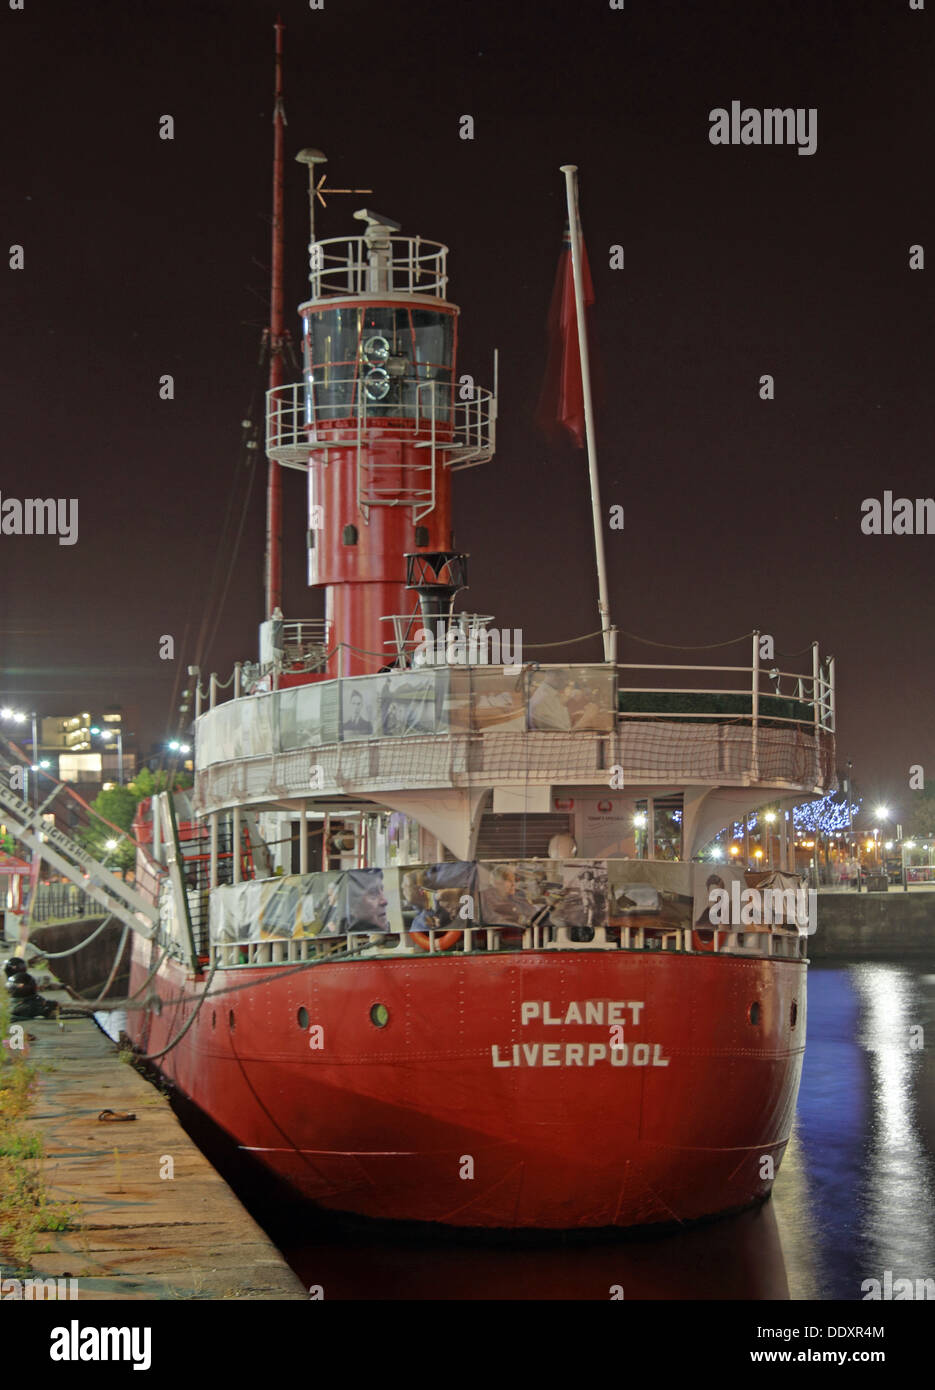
765,944
332,413
468,627
303,641
345,265
752,706
758,695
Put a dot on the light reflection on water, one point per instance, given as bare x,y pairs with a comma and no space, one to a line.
862,1171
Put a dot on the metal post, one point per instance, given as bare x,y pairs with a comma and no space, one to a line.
303,839
238,673
816,677
35,759
120,757
276,323
235,844
755,708
213,871
603,602
212,691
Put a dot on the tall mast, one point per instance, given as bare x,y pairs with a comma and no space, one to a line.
274,476
603,601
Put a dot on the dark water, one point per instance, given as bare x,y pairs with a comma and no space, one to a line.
855,1193
854,1196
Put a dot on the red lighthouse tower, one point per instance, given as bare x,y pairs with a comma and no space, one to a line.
379,423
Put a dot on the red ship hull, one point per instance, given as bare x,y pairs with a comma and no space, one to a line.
483,1101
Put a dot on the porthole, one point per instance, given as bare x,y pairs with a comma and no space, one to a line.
302,1017
230,1020
379,1015
793,1013
754,1013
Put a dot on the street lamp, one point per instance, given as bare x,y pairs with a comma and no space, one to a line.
883,814
18,716
106,734
769,817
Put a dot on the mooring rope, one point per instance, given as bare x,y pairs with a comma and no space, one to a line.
57,955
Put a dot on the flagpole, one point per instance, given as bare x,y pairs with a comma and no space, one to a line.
603,603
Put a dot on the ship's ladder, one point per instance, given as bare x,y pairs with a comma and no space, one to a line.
380,481
66,856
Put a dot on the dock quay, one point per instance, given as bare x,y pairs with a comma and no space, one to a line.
873,926
153,1220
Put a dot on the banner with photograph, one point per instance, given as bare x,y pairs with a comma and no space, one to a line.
300,717
236,909
330,710
646,892
358,709
518,892
432,896
577,894
706,877
406,703
335,903
562,892
256,725
570,698
486,701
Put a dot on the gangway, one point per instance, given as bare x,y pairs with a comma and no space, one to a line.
69,858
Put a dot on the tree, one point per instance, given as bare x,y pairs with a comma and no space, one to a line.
825,816
147,783
919,816
117,805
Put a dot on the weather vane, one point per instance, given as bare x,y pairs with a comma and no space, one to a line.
311,158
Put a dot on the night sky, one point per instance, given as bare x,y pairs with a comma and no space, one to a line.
145,257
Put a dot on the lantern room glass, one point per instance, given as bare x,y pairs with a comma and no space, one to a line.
385,355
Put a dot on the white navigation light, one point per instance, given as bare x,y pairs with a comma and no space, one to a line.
376,350
377,382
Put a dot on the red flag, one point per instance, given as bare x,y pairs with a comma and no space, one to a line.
562,401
